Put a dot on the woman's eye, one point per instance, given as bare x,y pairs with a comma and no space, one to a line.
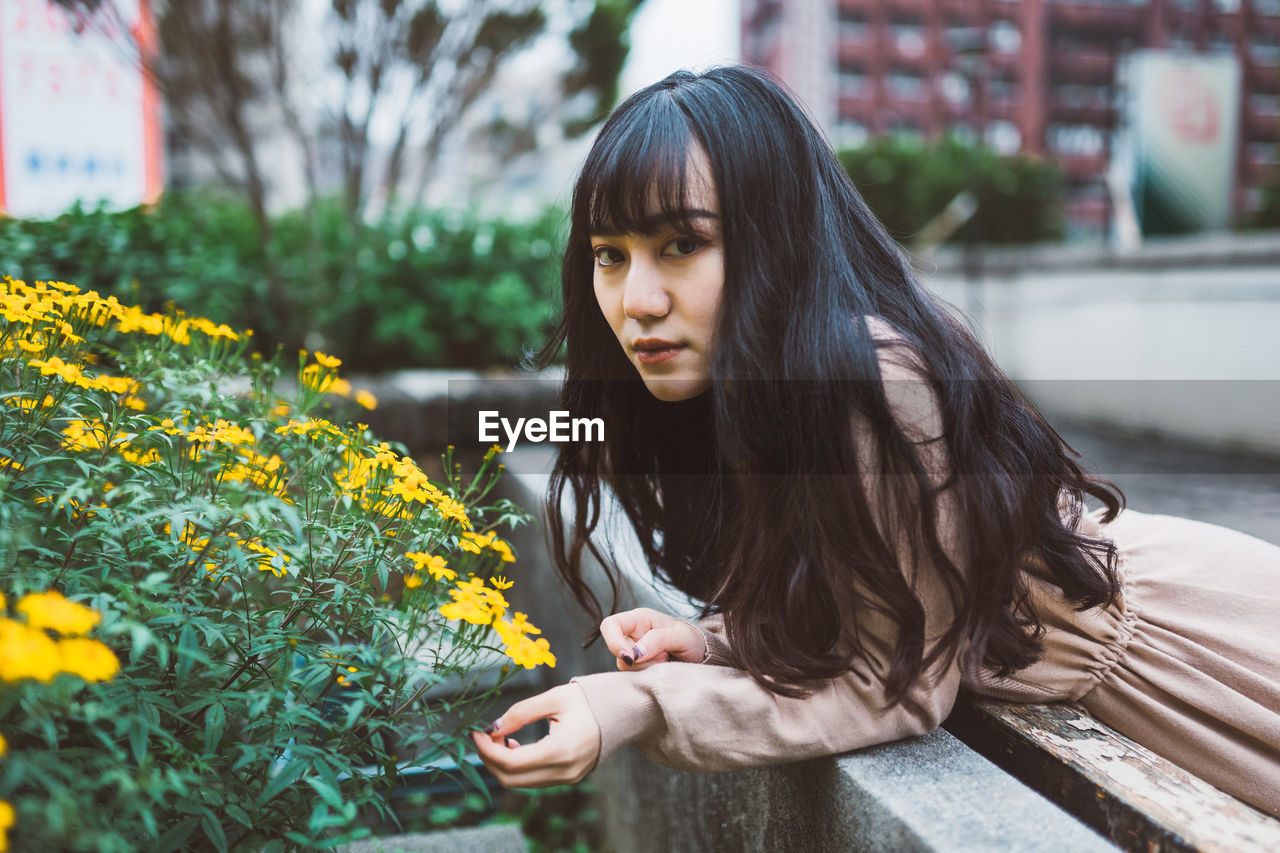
607,256
683,246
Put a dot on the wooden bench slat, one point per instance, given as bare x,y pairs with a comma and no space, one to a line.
1119,787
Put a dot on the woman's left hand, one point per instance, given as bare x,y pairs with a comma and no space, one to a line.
567,754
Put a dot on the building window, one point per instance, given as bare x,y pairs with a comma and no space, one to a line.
850,134
1228,7
1263,52
1263,153
1075,139
905,86
1266,7
1222,43
852,82
955,88
1004,37
1078,96
908,39
1003,137
1187,5
1002,90
1265,105
851,25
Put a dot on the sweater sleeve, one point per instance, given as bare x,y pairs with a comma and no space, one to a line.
713,716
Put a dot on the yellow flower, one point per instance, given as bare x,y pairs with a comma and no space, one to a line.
503,549
450,509
4,745
341,387
433,565
7,464
51,610
530,653
469,546
313,378
413,581
26,652
6,821
89,659
502,583
328,361
364,398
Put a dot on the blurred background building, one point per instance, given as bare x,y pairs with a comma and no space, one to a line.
1041,77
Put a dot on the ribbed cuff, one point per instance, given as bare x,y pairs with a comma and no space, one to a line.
624,710
717,650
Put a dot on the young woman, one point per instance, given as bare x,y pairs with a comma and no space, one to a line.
808,443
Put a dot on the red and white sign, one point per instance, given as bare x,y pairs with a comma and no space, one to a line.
79,121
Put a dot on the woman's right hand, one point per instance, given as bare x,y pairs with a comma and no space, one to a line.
642,637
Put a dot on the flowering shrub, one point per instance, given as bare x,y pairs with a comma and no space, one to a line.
285,611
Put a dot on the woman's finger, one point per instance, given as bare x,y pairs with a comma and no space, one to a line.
680,641
522,713
621,630
566,754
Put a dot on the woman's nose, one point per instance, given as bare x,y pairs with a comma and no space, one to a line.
645,293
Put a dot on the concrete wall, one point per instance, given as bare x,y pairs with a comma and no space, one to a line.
1178,339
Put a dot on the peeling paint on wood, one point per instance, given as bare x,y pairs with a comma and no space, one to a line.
1138,799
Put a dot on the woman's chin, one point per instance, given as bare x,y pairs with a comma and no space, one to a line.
674,389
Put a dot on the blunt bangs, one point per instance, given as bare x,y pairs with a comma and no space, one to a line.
635,178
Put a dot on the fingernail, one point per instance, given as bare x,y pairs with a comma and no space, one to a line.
511,742
637,651
627,659
494,726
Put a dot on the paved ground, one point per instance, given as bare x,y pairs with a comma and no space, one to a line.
1221,488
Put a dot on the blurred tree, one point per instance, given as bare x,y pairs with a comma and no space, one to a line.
242,77
907,183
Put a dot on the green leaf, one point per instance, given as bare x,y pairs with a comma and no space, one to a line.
286,777
215,722
176,836
327,793
138,735
239,815
213,831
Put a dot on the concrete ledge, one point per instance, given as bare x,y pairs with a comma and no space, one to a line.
927,794
480,839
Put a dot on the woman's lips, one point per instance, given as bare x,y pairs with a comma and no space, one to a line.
658,356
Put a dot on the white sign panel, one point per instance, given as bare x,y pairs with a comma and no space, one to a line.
78,120
1183,113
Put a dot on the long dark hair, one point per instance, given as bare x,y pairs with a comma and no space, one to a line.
732,493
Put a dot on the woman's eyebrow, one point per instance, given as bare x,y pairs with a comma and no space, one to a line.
653,223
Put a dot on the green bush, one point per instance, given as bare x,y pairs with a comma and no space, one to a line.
424,289
285,610
906,183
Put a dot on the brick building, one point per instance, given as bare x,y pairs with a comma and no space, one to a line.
1035,76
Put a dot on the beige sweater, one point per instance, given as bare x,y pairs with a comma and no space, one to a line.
713,716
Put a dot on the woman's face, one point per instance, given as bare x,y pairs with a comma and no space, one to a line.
661,293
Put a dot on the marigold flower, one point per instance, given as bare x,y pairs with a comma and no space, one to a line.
432,564
51,610
6,822
328,361
530,653
413,581
364,398
26,652
89,659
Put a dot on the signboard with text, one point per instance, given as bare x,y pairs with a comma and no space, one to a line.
78,119
1182,116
